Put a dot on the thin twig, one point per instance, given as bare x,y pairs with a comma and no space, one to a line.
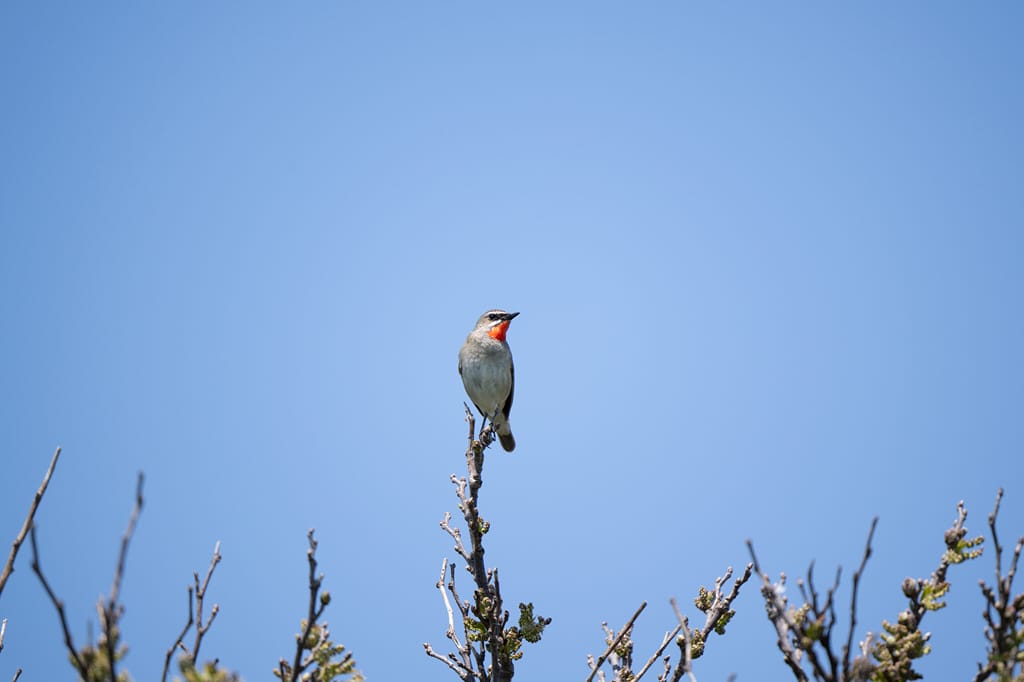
818,615
111,611
59,605
721,603
775,605
448,607
853,598
998,548
200,590
449,661
181,638
715,610
115,589
669,638
3,631
686,661
475,464
1001,610
825,614
464,649
952,536
461,668
478,652
16,545
313,613
456,533
611,647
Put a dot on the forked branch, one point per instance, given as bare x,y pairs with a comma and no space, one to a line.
1004,627
716,604
196,592
485,619
105,654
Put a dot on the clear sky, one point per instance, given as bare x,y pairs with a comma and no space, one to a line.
768,258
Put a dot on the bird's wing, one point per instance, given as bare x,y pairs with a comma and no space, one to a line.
511,389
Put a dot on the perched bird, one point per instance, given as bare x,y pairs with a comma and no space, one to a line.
485,364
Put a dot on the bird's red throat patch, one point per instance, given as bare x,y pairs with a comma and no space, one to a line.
498,331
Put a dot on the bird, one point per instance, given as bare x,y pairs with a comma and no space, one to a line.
485,365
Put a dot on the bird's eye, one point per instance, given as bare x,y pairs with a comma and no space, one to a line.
494,316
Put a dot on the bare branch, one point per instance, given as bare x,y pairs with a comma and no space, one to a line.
669,638
465,611
721,603
717,608
112,610
444,596
451,662
686,661
853,598
59,605
615,642
805,633
115,589
181,637
463,649
776,606
456,534
998,548
16,545
312,616
464,667
487,593
475,465
1003,631
200,590
820,617
485,621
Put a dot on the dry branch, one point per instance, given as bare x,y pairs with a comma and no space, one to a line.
69,644
1004,627
485,619
198,592
615,642
29,519
110,609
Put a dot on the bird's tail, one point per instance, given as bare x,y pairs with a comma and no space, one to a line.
505,437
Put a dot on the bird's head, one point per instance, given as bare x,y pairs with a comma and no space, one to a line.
495,323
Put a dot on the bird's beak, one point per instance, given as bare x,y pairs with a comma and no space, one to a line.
509,316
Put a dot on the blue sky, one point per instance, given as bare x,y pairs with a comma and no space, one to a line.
768,260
